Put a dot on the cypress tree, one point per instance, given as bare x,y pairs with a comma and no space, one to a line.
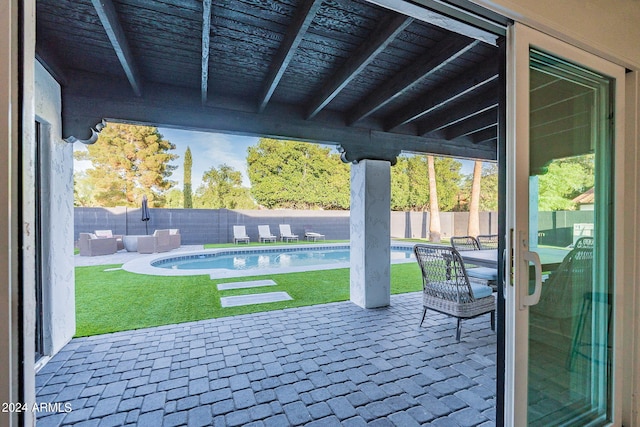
188,162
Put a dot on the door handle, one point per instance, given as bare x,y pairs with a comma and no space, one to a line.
526,299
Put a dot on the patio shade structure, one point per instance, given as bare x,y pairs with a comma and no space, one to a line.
347,72
146,215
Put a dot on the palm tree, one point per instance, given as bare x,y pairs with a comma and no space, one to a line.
473,229
434,210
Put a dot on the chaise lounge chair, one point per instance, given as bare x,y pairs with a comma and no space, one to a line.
265,235
240,234
286,235
312,235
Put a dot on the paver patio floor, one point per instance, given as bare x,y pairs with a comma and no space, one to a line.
324,365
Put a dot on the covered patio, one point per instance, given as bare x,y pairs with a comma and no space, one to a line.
332,364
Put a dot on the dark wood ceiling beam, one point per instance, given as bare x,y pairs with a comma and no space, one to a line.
111,24
206,37
382,35
301,22
443,54
485,100
471,80
474,124
485,135
88,100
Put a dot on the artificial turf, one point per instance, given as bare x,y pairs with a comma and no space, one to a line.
110,300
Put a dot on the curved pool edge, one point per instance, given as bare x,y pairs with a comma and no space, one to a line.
143,264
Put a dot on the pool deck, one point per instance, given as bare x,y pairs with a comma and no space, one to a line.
325,365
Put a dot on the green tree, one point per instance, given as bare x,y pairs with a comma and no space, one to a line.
563,181
188,164
288,174
82,191
410,183
222,188
174,198
128,162
489,188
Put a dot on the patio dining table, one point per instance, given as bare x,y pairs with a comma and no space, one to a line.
550,258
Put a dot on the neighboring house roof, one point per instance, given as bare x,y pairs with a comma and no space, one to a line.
588,197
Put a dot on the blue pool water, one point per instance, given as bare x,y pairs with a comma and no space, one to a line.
269,258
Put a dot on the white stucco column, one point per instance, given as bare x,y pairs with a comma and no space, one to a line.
370,233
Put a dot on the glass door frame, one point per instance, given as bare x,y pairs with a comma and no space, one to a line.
520,39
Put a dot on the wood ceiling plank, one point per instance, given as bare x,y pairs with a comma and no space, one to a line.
473,79
447,117
474,124
297,29
444,53
384,34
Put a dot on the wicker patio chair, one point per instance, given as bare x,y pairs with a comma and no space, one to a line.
465,243
488,241
484,275
446,287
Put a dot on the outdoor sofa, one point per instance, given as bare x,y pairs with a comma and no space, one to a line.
92,245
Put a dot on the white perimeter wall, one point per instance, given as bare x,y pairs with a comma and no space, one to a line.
57,218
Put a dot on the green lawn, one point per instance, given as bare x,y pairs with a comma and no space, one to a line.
111,301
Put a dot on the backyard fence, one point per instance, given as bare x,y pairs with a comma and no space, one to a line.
199,226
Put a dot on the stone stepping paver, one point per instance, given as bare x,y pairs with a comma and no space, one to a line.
245,285
254,299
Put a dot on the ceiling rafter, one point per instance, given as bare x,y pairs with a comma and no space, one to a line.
299,26
382,36
206,38
111,24
485,135
476,123
444,53
481,102
471,80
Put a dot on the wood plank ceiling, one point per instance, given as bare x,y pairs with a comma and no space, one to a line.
345,72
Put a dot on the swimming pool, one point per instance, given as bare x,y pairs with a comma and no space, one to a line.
238,262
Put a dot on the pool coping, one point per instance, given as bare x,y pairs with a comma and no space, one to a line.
143,264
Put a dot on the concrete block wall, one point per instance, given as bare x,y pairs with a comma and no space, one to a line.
200,226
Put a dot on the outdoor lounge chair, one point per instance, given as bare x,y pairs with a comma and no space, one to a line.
285,233
240,234
107,233
485,275
91,245
160,241
312,235
265,235
446,287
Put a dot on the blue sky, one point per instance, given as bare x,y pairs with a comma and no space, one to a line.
212,149
208,150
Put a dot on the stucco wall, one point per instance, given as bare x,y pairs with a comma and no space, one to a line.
604,27
57,216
